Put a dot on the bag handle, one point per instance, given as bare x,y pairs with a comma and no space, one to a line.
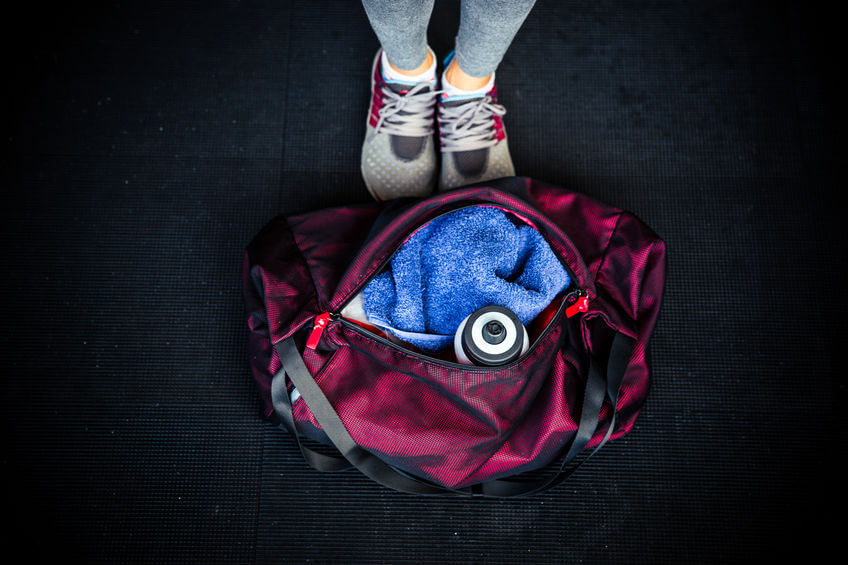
356,456
598,387
283,408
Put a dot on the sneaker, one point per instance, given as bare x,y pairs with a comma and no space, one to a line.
473,140
399,154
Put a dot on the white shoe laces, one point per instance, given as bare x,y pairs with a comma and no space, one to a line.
469,126
409,114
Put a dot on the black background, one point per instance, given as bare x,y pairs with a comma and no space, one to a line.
145,144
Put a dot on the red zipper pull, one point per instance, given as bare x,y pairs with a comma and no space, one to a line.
318,329
580,305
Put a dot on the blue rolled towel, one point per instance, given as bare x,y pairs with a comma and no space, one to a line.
456,264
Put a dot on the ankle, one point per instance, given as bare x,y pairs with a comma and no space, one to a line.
462,81
416,72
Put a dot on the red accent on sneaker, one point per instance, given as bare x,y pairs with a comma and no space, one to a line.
500,134
378,75
376,99
376,104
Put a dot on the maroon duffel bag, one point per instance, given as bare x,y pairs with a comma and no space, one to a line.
427,423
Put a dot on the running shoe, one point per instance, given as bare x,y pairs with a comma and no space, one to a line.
473,140
398,155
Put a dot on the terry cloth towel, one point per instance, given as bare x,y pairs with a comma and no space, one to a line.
456,264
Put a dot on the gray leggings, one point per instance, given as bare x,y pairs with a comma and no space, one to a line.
486,29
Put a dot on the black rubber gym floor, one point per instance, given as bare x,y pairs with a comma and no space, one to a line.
146,143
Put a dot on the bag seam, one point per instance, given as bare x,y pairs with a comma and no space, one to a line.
607,246
306,264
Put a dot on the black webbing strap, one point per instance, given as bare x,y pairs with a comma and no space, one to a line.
370,465
283,408
598,387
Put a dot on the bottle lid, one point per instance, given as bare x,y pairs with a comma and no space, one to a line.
490,336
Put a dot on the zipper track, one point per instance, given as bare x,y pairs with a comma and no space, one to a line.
391,256
336,317
450,364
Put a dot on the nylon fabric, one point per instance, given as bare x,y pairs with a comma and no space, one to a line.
450,425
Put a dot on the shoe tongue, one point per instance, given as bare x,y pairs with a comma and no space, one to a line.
401,87
452,101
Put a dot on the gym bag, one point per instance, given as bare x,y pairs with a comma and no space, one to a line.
423,422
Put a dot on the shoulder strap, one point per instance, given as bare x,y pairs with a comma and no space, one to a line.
283,408
599,385
367,463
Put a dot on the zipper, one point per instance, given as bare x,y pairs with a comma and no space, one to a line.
580,304
576,301
449,364
389,257
321,321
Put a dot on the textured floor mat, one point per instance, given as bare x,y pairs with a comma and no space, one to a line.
148,142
